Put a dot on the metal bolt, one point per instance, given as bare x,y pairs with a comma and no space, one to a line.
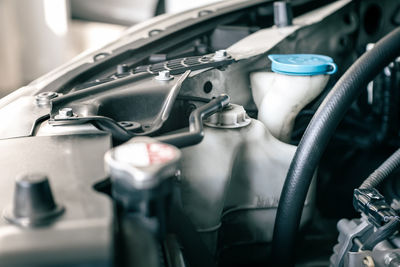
220,55
164,75
43,99
65,113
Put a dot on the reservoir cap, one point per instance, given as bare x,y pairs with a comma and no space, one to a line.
302,64
232,116
141,163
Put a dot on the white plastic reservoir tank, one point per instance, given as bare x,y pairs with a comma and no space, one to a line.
232,180
295,81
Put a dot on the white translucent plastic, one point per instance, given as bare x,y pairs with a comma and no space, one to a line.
231,183
232,180
279,98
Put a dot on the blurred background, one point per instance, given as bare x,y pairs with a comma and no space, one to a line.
37,36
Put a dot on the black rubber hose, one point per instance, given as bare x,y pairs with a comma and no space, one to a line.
316,138
383,171
386,85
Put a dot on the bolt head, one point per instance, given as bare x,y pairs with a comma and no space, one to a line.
164,75
43,99
66,112
48,95
220,55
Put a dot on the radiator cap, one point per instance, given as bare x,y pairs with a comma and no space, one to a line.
142,163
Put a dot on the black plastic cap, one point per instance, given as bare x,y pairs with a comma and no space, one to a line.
33,201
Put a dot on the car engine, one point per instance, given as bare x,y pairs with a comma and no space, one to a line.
242,133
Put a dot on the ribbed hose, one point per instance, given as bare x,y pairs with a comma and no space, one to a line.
383,171
316,138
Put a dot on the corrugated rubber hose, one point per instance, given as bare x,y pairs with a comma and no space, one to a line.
316,138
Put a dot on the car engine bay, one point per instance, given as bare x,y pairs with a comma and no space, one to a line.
242,133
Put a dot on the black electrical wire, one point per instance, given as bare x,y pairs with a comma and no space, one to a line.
316,138
383,171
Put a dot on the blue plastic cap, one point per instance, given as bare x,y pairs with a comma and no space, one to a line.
302,64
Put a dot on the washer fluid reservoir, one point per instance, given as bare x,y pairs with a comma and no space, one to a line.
295,81
260,166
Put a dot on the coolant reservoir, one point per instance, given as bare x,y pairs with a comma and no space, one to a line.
232,180
206,168
295,81
237,169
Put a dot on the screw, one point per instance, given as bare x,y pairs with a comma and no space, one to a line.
43,99
164,76
65,113
220,55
